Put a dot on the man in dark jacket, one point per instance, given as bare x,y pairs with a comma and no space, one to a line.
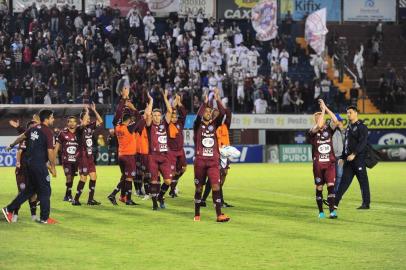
353,158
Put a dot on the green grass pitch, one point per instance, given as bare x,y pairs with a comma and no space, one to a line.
273,226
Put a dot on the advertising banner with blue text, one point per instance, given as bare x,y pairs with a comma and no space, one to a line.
370,10
301,8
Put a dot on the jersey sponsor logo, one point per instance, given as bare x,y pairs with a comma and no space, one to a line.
208,142
89,142
162,139
71,150
207,152
324,148
324,157
34,135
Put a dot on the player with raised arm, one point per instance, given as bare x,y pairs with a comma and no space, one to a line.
176,152
207,155
85,159
67,144
324,169
158,161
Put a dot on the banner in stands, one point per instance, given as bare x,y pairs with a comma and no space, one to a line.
235,9
21,5
402,10
193,6
301,8
249,154
123,5
164,5
295,153
370,10
264,20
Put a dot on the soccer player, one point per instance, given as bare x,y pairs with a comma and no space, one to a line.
176,152
324,169
142,162
40,150
223,138
207,155
67,143
21,171
85,158
158,162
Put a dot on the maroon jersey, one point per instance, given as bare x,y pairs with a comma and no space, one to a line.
158,138
322,145
85,139
206,144
175,141
69,146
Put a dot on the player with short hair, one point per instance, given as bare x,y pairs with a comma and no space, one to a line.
39,151
67,144
324,169
158,162
85,158
21,170
207,155
176,152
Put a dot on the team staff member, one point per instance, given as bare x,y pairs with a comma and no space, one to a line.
353,157
206,163
40,150
176,152
67,142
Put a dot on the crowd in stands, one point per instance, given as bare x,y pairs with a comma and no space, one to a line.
66,56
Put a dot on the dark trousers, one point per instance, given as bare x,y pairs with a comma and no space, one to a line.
38,183
353,168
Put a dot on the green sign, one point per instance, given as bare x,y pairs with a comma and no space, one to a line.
295,153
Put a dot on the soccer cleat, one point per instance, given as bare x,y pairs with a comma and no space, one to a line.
162,204
93,202
130,202
76,203
50,221
202,204
112,199
14,218
7,215
155,207
196,218
363,207
223,218
322,215
67,199
123,199
226,205
333,215
173,194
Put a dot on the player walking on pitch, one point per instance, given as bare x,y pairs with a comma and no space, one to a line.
324,169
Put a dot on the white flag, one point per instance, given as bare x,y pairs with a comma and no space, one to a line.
316,30
263,19
164,5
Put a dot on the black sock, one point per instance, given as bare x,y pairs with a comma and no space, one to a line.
207,189
164,189
138,183
146,188
122,189
221,194
331,198
33,208
319,200
128,185
217,201
198,197
174,183
117,189
79,189
92,187
68,192
155,189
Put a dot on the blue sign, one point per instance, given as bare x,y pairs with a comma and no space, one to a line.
108,121
190,118
8,158
387,137
251,153
301,8
300,137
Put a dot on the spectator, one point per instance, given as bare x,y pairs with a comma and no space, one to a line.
260,104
